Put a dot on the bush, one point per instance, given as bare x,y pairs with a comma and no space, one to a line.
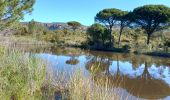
22,31
167,43
97,34
51,37
126,47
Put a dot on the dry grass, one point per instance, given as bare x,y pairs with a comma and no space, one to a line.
21,40
81,87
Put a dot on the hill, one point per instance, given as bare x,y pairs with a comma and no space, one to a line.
55,25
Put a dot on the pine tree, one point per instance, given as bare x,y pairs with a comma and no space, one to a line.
13,10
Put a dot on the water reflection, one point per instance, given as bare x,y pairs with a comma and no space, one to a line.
143,77
142,86
72,61
97,65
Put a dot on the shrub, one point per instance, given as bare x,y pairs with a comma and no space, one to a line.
98,34
50,37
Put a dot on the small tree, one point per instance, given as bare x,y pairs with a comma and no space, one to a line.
98,34
65,30
31,26
75,25
13,10
108,17
151,18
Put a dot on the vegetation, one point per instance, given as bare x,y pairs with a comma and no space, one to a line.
109,24
152,18
32,26
24,75
108,17
13,10
123,21
21,77
98,34
36,31
75,25
80,87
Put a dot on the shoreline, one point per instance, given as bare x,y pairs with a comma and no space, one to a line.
14,41
120,50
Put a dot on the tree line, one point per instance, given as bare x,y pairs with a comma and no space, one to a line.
150,18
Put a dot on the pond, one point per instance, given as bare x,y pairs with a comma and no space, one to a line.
135,76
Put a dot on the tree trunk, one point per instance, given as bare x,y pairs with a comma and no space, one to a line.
103,42
146,75
120,33
118,69
110,36
148,38
110,32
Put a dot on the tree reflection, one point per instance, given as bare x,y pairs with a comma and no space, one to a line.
146,75
72,61
98,65
143,86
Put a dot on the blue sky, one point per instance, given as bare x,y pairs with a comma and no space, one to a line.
81,10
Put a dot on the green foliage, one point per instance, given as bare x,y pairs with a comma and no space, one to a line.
136,33
65,30
21,76
126,48
98,34
167,43
108,17
112,17
21,31
37,31
32,26
75,25
36,28
13,10
151,18
123,21
50,37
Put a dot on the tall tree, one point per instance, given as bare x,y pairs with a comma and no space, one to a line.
13,10
151,18
123,21
108,17
75,25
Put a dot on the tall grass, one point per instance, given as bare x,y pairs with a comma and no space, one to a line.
81,87
21,76
25,77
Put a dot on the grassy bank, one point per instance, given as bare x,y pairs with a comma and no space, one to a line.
21,76
21,40
24,76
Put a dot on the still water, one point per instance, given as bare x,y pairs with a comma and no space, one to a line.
134,76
